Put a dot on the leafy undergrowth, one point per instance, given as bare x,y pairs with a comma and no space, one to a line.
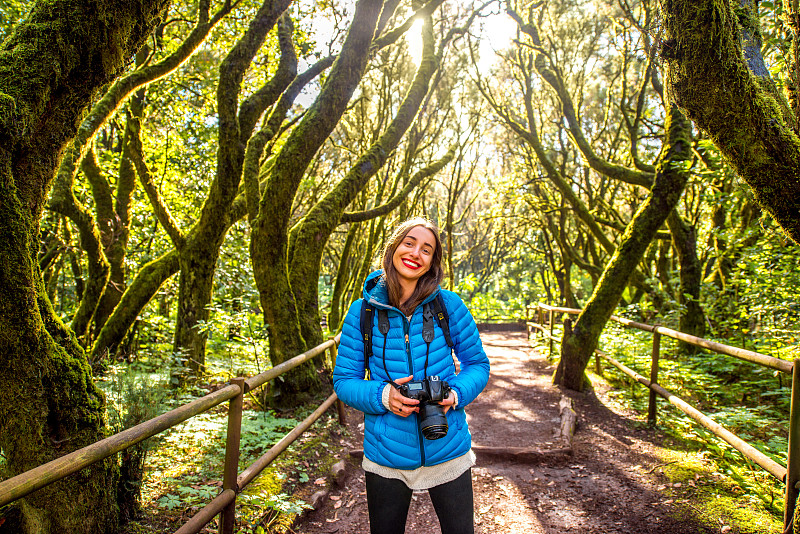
702,472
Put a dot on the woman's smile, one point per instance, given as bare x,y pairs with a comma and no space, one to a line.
410,264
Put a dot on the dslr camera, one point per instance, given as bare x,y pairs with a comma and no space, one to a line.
429,392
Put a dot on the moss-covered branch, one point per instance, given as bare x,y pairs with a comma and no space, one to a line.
402,195
198,257
684,239
115,230
160,209
124,86
550,73
64,202
394,34
268,247
311,233
708,74
254,105
140,291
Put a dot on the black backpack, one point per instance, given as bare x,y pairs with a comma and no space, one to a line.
430,310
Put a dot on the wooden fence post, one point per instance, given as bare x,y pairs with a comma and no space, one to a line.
339,404
540,319
552,313
227,518
651,406
793,452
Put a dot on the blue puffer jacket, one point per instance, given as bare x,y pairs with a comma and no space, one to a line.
389,439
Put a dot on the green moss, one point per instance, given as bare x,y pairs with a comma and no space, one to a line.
711,498
8,107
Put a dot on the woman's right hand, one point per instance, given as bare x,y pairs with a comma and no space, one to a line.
399,404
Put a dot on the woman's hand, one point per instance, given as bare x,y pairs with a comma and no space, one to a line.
400,405
448,401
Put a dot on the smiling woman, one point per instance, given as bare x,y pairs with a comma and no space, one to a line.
415,435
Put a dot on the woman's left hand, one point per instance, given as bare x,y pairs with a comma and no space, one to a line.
448,401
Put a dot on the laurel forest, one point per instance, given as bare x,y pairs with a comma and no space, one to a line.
195,191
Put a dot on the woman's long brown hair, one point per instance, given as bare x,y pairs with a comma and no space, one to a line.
427,283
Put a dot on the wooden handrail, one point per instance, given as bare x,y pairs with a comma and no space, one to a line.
25,483
742,354
789,475
769,465
270,374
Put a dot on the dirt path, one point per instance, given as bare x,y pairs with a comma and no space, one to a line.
608,484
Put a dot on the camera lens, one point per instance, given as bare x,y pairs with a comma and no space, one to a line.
432,421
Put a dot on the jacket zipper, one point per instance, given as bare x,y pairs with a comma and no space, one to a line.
407,326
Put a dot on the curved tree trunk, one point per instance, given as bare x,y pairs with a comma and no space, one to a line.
269,244
200,251
578,346
141,290
114,220
313,231
344,277
50,70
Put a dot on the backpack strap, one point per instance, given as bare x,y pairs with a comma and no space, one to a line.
367,313
440,312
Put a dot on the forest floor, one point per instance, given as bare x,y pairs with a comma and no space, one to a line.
621,477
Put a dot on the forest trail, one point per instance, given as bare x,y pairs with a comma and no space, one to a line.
611,483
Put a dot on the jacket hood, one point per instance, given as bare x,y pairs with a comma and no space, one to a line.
377,294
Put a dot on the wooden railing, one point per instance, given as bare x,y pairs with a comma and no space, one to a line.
233,482
789,475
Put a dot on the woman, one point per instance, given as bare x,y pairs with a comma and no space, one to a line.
398,456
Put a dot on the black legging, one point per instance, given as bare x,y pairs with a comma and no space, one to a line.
388,500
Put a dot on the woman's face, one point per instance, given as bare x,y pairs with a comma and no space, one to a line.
413,256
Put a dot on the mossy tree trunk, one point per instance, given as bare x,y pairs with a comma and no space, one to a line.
199,251
542,66
269,246
65,203
714,70
104,237
578,346
113,211
139,292
344,279
312,232
51,68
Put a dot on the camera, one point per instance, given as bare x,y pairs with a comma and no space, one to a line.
429,392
